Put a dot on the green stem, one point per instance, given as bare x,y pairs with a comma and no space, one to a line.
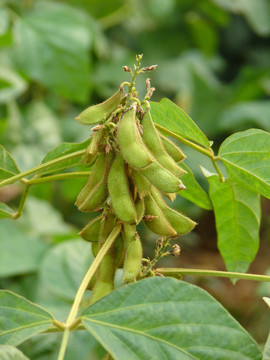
216,273
221,177
207,152
91,271
22,202
64,344
63,176
41,167
56,329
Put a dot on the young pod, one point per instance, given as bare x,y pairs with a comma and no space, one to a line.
132,147
179,222
91,231
93,148
172,149
95,193
133,253
97,113
141,183
154,144
162,178
119,191
159,223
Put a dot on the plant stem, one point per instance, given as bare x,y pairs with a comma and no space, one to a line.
88,276
207,152
102,252
63,176
221,177
216,273
41,167
22,202
64,344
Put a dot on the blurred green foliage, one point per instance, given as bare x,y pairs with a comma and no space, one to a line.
57,57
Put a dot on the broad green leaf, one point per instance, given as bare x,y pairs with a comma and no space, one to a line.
257,112
167,318
194,191
5,211
8,352
237,213
62,150
64,267
20,319
8,167
41,218
246,156
266,351
171,117
20,252
52,42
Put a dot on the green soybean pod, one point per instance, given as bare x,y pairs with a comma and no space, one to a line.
159,224
154,144
105,277
143,185
180,223
132,147
140,209
133,253
172,149
162,178
93,148
97,113
119,191
91,231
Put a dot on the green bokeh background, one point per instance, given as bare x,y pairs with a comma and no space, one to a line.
58,57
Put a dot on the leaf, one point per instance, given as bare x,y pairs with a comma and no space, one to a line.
5,211
20,318
8,352
246,156
266,351
257,112
194,191
171,117
11,84
59,62
168,319
64,267
8,167
237,213
62,150
20,252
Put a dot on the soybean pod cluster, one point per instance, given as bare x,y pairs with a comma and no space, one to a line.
133,167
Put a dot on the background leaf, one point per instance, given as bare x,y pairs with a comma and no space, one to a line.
8,352
19,252
237,213
62,150
246,156
168,317
194,191
8,167
20,319
5,211
170,116
37,47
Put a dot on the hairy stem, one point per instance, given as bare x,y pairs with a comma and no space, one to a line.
216,273
64,344
88,276
41,167
221,177
22,202
207,152
63,176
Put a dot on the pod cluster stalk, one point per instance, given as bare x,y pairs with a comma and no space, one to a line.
134,167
